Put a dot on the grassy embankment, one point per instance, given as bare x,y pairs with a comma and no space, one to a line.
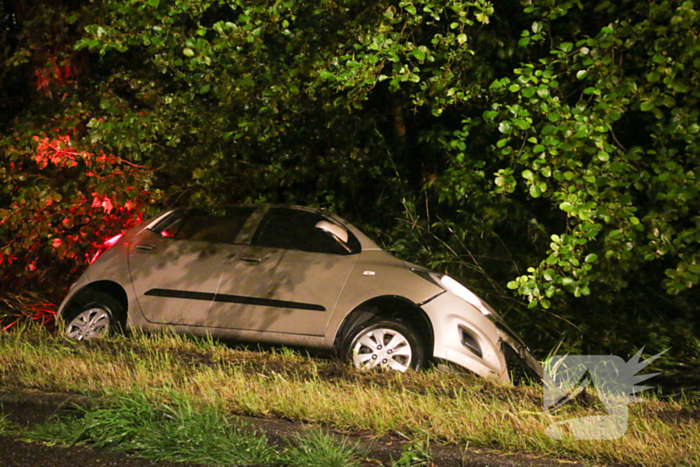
180,431
169,371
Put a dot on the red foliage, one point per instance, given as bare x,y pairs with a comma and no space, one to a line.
51,76
65,201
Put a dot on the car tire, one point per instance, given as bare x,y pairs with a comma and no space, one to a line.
103,315
389,344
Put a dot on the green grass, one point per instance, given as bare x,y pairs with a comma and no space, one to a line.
415,454
320,449
447,408
6,427
177,431
182,431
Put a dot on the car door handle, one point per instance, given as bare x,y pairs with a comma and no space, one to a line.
250,259
145,247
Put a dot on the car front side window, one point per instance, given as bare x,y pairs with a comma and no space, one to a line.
296,230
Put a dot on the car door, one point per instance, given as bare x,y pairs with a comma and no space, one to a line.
176,266
288,280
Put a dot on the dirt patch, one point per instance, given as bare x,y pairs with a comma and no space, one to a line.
14,453
27,408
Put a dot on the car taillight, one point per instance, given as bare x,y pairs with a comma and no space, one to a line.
106,246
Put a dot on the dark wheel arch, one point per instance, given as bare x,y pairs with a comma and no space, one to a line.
100,317
390,307
91,292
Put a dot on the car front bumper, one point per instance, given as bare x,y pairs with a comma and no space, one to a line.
499,354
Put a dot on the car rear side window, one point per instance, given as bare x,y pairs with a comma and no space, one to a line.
200,226
296,230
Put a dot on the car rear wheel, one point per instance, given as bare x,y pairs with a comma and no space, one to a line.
102,316
389,344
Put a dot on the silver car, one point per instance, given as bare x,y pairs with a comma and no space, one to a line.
291,276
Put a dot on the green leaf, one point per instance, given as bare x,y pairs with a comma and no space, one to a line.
528,175
505,127
188,52
529,91
522,124
581,74
419,54
669,101
496,85
614,116
154,3
490,115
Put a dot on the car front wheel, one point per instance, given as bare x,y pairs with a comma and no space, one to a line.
389,344
98,318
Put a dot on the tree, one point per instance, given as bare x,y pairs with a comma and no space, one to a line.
549,146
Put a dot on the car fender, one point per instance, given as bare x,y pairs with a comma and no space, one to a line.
112,267
377,274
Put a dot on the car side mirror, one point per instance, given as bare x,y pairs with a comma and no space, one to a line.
335,231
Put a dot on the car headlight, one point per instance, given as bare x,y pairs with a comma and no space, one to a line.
465,294
451,285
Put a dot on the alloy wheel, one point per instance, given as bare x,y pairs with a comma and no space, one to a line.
384,348
91,323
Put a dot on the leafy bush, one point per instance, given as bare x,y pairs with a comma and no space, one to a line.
60,202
